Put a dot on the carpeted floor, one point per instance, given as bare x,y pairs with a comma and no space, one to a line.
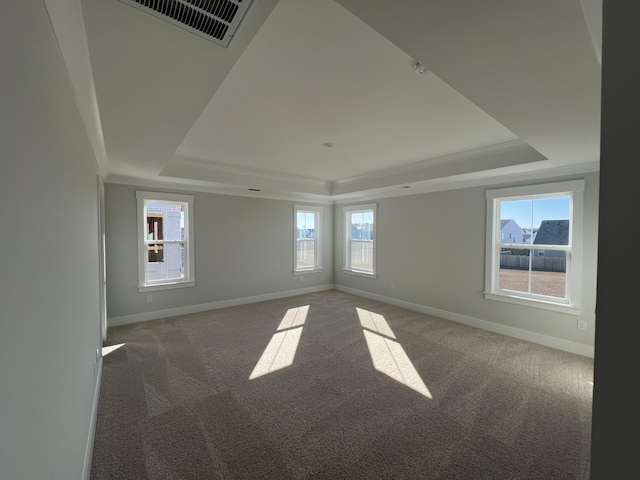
373,391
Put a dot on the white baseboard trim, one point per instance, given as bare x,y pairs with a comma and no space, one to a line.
88,454
203,307
560,344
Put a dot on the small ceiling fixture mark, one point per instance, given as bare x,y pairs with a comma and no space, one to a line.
254,189
419,68
328,144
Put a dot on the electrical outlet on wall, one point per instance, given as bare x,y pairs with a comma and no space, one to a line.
149,298
393,287
582,325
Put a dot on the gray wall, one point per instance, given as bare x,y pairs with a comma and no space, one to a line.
432,247
616,422
243,247
49,306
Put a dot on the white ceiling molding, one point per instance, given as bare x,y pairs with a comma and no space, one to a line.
229,168
478,160
189,185
518,173
488,158
68,24
243,177
503,176
511,90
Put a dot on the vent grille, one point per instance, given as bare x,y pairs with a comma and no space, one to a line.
215,20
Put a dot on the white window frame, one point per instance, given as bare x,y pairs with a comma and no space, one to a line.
572,302
189,280
317,211
347,211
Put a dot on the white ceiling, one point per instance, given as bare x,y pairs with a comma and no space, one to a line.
513,91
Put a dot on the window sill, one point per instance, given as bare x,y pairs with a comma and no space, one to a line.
165,286
304,272
514,299
360,274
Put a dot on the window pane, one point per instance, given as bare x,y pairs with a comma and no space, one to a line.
165,221
156,270
551,220
169,263
155,222
362,255
175,260
549,275
156,252
514,279
362,225
306,254
515,221
306,223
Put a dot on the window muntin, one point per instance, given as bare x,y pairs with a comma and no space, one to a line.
307,233
360,239
166,240
533,250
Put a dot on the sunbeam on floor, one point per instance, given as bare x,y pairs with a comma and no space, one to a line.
387,355
111,348
281,350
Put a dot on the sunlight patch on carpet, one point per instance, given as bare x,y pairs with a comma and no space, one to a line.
111,348
387,355
374,322
279,353
294,317
282,348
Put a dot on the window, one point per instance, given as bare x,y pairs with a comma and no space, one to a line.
360,239
165,239
307,235
545,270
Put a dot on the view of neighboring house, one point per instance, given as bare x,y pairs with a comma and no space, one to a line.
510,232
306,233
552,232
362,232
165,224
528,235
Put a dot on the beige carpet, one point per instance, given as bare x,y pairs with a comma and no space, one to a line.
346,388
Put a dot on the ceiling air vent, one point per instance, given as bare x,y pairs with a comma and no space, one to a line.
215,20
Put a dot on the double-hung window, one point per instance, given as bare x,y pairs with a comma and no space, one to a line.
360,239
534,245
165,241
307,237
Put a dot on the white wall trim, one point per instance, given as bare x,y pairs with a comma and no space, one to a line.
203,307
560,344
88,454
491,177
487,178
202,186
